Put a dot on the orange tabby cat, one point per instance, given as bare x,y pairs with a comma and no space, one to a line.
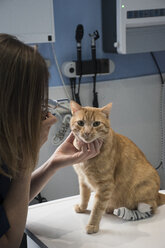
120,175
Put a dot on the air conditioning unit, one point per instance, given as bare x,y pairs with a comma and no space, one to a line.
133,26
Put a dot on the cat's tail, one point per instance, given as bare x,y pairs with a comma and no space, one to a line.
161,199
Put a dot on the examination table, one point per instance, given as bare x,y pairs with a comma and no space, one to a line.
55,224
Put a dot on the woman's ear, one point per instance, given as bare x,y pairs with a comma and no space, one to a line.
74,106
106,109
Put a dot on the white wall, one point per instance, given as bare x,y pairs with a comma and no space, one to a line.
135,113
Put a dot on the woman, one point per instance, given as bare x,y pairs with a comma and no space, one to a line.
24,127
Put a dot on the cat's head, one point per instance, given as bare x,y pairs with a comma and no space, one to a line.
89,123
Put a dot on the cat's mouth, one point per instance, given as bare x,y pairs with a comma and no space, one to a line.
87,139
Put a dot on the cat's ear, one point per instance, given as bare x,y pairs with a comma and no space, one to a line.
74,106
106,109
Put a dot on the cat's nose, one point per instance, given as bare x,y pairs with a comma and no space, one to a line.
86,134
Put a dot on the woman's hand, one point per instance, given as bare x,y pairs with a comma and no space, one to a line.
46,125
67,154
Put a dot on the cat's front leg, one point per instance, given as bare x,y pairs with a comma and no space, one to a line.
85,195
100,204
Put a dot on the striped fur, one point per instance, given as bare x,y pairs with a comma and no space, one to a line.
143,211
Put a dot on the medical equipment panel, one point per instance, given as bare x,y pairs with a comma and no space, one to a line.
131,26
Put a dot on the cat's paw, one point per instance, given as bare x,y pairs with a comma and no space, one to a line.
78,209
92,229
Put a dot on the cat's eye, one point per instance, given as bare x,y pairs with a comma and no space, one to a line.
96,123
80,123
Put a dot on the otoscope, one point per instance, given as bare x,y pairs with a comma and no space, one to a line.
94,37
78,36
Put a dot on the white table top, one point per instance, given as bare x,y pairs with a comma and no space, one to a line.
55,224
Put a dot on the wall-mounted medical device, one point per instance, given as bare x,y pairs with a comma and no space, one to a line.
133,26
70,69
31,21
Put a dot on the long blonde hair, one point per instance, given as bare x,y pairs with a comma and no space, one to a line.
23,95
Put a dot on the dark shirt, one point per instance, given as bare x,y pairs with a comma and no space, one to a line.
4,187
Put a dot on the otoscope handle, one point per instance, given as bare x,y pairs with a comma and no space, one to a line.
79,52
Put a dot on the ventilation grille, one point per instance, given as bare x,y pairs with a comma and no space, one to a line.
145,13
